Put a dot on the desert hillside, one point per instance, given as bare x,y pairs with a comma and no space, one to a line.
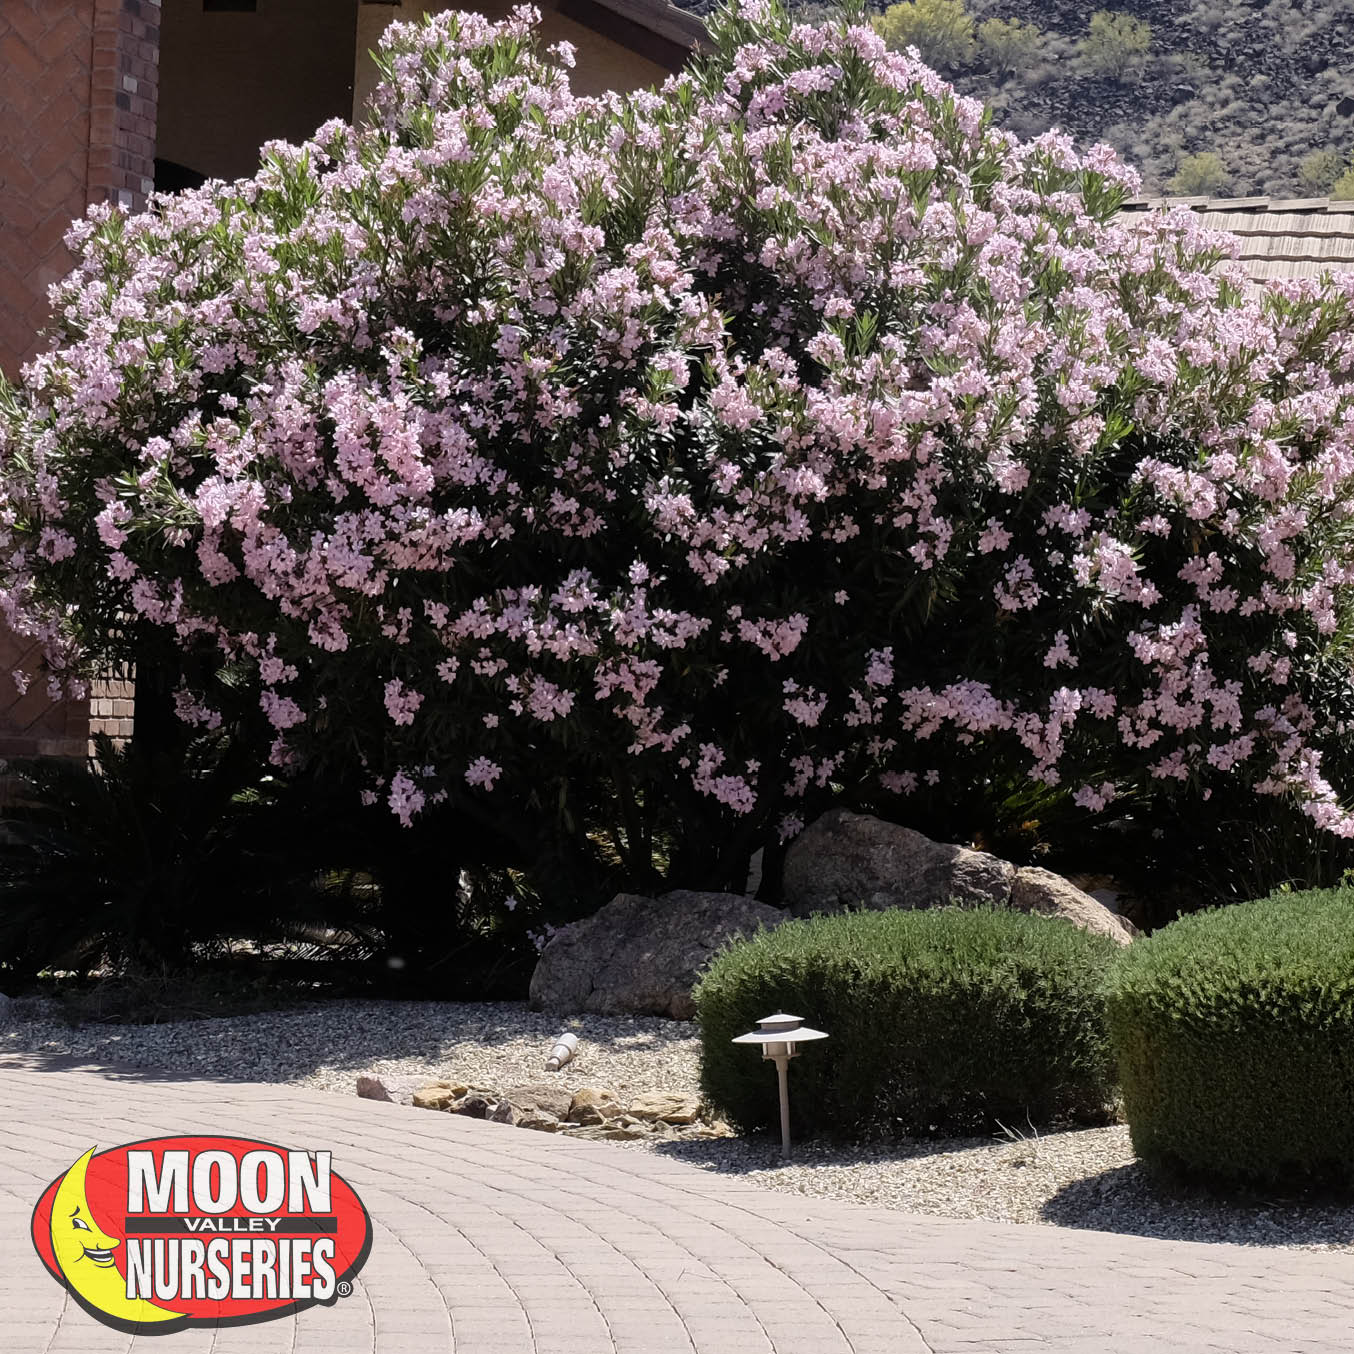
1265,87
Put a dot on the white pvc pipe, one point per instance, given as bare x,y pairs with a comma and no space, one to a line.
565,1048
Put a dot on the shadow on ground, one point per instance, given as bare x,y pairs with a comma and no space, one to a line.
1134,1201
742,1155
1127,1200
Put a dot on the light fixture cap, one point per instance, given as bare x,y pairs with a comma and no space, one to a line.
780,1029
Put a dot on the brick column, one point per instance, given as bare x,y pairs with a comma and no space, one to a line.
124,77
124,80
111,703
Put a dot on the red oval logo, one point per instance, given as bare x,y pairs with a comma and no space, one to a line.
154,1236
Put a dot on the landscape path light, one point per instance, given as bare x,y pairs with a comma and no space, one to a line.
778,1034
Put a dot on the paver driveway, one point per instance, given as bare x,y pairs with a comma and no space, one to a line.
493,1240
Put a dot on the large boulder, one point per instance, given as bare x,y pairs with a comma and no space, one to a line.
1042,891
849,860
852,861
641,956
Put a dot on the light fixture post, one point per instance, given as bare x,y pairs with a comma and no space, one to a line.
783,1076
778,1034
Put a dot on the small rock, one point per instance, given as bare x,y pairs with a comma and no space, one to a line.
613,1132
542,1123
505,1112
6,1011
666,1106
594,1105
439,1095
367,1087
472,1106
542,1097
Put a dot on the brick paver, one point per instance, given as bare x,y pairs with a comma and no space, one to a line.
492,1240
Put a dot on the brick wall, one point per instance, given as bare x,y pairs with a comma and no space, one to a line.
45,52
110,708
78,82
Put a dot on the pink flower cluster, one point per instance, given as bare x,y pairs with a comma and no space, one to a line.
777,430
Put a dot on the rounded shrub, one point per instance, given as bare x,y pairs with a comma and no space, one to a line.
1234,1034
650,465
941,1020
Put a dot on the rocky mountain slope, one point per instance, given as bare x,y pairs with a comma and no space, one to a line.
1262,83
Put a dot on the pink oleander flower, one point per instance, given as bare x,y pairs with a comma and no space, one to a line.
401,703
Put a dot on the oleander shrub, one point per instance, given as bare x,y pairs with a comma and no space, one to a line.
1233,1031
628,477
938,1021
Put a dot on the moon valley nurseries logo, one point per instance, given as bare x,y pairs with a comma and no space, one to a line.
154,1236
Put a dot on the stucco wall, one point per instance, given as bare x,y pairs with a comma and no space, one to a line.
601,64
231,80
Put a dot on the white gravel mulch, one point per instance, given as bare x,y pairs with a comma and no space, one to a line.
1077,1178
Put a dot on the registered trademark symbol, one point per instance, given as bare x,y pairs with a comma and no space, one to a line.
344,1288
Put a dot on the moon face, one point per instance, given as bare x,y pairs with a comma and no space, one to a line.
85,1253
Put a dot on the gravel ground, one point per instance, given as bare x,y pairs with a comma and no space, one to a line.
404,1044
1079,1178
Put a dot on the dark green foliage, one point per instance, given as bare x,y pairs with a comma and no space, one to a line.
1234,1034
941,1021
154,862
162,859
148,994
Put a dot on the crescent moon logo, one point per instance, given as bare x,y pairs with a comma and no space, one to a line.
156,1236
84,1251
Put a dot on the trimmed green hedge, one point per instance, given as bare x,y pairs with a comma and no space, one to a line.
1234,1034
939,1021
